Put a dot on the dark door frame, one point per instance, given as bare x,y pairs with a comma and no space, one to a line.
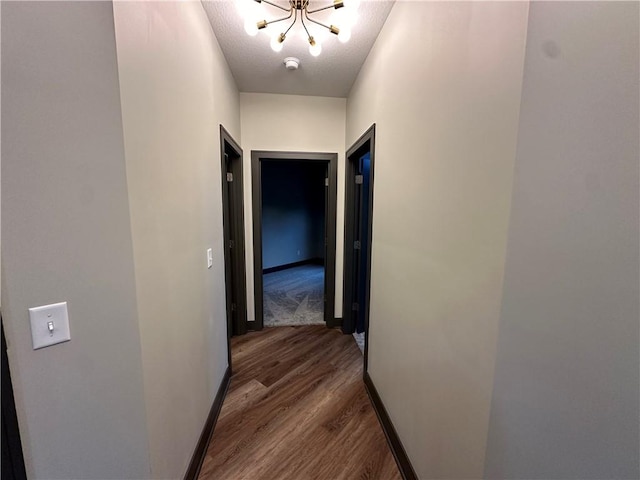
233,227
13,467
330,233
366,143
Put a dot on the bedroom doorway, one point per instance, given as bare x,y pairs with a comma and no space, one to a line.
294,221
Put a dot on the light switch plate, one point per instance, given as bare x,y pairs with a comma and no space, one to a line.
49,325
209,258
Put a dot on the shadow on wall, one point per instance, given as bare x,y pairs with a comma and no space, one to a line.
292,211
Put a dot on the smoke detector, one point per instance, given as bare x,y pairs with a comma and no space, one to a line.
292,63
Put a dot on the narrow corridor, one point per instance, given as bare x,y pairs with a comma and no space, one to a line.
297,408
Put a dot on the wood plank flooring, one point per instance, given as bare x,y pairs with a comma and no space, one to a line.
297,409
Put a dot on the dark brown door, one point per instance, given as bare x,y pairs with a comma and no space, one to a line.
233,219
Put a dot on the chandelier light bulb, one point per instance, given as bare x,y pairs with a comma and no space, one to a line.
349,17
315,48
345,34
247,8
251,27
352,4
277,42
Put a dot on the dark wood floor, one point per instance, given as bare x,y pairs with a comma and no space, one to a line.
297,409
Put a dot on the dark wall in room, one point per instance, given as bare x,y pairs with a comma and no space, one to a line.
292,211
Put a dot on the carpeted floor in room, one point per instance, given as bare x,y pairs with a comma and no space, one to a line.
294,296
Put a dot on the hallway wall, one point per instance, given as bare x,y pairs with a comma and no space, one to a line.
292,123
67,237
445,149
176,89
566,395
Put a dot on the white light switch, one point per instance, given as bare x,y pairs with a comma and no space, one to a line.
49,325
209,258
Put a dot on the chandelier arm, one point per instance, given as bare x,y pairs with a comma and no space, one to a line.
318,10
295,19
316,22
279,19
276,5
305,27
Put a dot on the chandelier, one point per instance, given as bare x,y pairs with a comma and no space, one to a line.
299,9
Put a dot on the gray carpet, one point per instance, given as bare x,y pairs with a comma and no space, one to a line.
359,338
294,296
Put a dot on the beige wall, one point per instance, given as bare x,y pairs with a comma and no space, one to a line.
566,396
176,89
67,237
0,158
443,85
292,123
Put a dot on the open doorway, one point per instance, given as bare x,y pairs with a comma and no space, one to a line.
293,223
294,228
358,236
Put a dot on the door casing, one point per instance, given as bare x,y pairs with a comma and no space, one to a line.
330,231
233,226
366,143
13,467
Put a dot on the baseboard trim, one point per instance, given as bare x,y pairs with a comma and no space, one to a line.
399,453
335,323
205,437
310,261
251,324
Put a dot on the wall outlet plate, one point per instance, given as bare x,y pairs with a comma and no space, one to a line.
49,325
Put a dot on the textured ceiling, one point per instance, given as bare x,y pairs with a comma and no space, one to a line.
257,68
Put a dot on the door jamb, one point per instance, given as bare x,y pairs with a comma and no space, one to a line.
330,261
